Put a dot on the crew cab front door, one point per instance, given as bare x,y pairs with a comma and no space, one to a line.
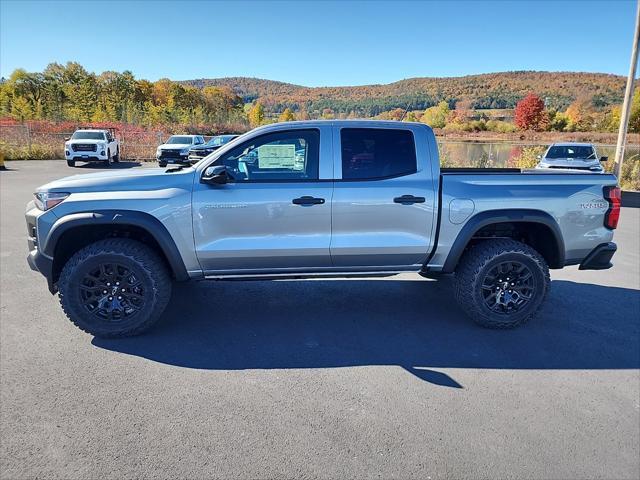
274,215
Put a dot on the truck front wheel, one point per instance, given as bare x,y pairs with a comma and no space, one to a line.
71,163
501,283
114,288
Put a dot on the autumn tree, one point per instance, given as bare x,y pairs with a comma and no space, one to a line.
436,117
286,116
634,114
529,113
256,115
410,117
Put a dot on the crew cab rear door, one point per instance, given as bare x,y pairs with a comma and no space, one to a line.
275,214
384,202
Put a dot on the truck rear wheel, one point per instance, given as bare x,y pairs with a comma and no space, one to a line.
114,288
116,157
501,283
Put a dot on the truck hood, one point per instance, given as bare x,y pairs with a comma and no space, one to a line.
569,163
139,179
85,142
174,146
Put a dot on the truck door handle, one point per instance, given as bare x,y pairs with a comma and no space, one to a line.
408,199
306,200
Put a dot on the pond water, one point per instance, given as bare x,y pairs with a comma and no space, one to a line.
503,154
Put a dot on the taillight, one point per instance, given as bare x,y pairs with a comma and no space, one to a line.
613,196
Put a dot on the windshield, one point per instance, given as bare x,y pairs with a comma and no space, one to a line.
176,139
88,136
220,140
567,151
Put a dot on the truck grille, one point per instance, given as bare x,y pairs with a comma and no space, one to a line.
83,147
170,154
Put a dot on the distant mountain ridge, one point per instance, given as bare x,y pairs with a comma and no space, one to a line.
483,91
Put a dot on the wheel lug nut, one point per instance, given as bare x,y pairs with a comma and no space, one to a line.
104,291
122,289
119,297
108,284
117,283
110,298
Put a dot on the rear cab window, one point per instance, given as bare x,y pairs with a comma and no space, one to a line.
376,153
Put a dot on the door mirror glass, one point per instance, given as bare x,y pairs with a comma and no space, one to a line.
215,175
604,159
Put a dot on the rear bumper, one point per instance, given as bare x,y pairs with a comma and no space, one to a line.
600,257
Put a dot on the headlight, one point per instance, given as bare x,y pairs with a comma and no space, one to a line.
158,151
48,200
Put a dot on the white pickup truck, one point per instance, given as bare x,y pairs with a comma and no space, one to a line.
92,145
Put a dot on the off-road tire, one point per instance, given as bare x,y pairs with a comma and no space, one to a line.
116,157
109,158
472,271
145,265
71,163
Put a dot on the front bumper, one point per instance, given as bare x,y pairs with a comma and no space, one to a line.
85,156
37,260
600,257
43,264
168,156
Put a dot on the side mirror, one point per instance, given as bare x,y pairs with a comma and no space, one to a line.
604,159
539,157
216,175
66,139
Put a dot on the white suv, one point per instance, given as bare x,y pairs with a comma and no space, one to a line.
572,156
89,145
176,149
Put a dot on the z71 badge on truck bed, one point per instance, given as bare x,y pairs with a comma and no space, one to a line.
316,199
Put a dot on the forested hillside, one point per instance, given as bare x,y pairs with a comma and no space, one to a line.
570,101
487,91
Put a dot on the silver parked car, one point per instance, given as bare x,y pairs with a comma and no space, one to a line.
572,156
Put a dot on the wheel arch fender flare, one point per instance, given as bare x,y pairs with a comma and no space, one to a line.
145,221
489,217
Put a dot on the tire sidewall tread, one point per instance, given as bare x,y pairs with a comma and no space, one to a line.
130,250
472,269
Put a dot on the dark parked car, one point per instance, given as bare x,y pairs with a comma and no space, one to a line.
198,152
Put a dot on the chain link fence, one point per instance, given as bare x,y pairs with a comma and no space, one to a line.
23,142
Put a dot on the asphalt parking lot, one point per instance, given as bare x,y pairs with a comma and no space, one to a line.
331,379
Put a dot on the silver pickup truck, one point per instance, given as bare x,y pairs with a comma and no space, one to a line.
316,199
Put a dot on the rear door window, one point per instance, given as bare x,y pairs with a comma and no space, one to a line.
374,153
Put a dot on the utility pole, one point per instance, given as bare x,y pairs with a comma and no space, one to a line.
626,106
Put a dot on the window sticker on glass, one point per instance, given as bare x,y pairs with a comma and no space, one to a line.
277,156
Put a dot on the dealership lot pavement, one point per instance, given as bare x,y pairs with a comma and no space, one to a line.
359,378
